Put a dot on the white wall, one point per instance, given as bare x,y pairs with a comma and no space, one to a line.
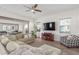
73,14
7,13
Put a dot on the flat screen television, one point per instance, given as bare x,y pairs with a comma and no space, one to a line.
49,26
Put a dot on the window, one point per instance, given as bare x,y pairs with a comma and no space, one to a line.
65,25
26,28
8,27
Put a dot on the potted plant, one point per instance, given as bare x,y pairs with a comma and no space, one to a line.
34,32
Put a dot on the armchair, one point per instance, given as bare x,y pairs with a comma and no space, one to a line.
70,41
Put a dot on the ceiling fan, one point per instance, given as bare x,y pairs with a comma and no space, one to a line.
33,9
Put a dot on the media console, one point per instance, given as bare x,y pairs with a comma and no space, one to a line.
48,36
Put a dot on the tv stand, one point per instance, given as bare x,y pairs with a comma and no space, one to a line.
48,36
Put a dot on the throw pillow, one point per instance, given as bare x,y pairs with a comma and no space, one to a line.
69,37
25,36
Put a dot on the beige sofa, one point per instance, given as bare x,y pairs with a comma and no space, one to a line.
20,37
12,46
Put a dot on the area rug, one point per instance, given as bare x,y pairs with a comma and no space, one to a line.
50,50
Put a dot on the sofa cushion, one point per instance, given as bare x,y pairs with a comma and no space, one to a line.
4,41
11,46
2,50
23,39
12,37
20,42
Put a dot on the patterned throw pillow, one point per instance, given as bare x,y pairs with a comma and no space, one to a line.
73,37
69,37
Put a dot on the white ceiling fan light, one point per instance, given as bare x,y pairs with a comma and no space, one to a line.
32,11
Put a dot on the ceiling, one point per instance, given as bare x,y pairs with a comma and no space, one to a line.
47,9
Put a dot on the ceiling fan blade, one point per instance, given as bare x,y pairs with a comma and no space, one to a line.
38,10
35,6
